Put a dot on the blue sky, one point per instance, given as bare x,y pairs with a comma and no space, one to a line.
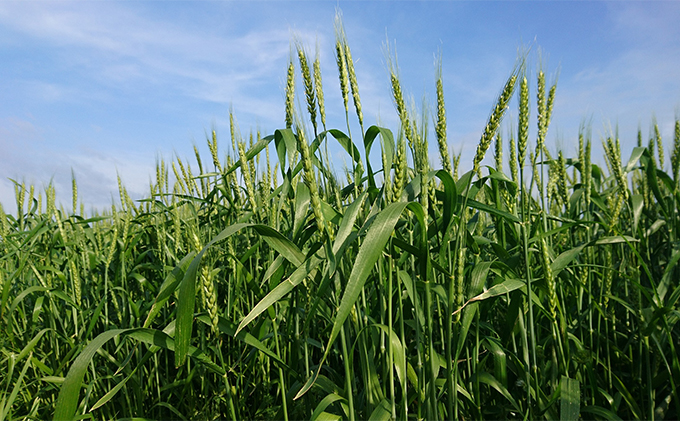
105,88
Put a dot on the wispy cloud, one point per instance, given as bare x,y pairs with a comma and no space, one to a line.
117,45
108,51
28,159
636,83
647,24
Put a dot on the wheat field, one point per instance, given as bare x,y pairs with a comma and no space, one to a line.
262,283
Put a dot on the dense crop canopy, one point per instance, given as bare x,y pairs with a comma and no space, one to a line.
544,287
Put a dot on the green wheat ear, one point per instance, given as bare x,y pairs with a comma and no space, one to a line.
310,181
387,174
456,165
513,160
563,181
546,262
247,177
212,146
319,88
523,126
400,166
310,93
74,191
588,173
290,94
354,85
494,121
675,157
659,144
341,61
440,129
613,154
398,96
4,225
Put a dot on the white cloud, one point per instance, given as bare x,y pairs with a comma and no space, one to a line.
648,24
119,46
626,92
28,159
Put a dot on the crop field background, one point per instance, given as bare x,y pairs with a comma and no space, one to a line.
263,282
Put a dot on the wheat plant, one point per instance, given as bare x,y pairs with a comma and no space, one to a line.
409,292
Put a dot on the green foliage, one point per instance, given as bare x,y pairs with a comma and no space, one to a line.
246,294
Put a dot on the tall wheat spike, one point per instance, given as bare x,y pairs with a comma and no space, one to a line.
212,146
659,144
247,179
4,225
675,157
613,154
341,61
494,122
588,175
440,129
290,94
353,83
398,96
74,191
498,151
319,88
400,166
523,126
310,93
512,160
310,181
563,180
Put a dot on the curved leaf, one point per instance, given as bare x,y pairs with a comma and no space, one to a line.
325,403
370,251
281,290
381,412
380,231
503,288
187,288
67,402
489,379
